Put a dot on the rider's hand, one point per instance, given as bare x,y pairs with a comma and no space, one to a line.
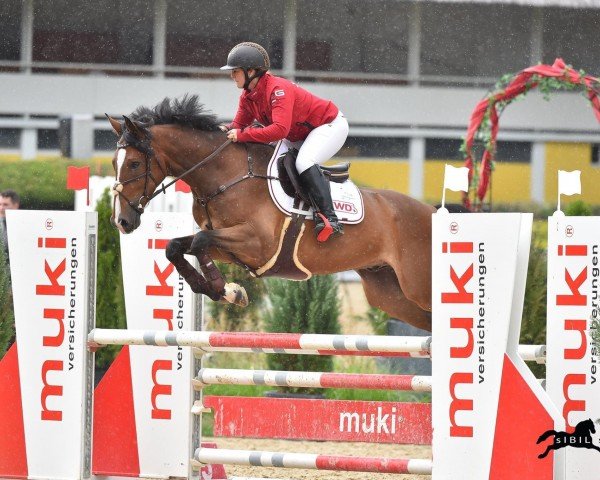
223,128
232,134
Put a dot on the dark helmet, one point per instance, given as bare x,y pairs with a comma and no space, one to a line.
248,55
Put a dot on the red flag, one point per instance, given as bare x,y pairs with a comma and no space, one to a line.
181,186
79,179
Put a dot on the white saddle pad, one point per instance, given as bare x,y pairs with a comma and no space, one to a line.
347,199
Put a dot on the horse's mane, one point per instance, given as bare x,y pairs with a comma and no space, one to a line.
187,112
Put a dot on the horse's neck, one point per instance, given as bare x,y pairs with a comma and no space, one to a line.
186,149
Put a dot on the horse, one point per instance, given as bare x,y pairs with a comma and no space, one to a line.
390,249
580,438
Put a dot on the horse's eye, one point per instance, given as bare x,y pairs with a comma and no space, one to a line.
134,165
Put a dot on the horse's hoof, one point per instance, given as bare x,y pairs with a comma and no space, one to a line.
235,294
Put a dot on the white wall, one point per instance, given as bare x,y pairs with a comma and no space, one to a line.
398,106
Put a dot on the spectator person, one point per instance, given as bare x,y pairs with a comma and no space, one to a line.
9,200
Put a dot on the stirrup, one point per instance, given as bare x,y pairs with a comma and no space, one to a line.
325,229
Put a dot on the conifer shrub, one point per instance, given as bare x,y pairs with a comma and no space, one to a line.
7,318
303,307
110,299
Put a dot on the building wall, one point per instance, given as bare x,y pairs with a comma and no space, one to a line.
511,182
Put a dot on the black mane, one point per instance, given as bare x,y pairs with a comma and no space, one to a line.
187,112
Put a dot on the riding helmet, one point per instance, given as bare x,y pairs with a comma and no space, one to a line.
247,55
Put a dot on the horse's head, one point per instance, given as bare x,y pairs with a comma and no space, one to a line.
137,173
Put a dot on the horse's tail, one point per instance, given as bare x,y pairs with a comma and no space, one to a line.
545,435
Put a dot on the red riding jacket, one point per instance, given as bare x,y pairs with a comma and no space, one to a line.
286,110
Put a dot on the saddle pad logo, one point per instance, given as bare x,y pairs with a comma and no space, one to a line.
347,207
347,198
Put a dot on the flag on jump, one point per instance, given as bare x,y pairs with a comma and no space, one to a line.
456,179
569,183
79,179
181,186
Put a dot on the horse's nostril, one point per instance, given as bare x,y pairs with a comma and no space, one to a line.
124,223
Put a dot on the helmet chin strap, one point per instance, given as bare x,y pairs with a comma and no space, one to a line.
248,78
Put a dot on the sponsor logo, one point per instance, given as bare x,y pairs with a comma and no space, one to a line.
52,288
581,437
167,304
380,422
279,93
346,207
573,297
459,298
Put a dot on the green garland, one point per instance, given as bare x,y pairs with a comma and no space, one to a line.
483,135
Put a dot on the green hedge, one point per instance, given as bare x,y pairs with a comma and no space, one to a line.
42,184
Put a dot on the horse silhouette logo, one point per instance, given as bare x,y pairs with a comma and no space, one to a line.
580,438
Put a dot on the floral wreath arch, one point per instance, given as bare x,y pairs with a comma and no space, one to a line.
483,125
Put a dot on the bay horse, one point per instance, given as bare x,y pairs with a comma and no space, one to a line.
390,249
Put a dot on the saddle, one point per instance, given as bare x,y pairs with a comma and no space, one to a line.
290,180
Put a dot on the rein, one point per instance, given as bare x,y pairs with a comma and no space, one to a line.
204,201
117,188
207,198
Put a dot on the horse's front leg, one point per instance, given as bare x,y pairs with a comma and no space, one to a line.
221,239
175,251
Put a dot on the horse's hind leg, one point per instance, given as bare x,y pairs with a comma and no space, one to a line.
383,291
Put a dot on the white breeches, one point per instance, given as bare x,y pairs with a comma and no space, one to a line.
321,144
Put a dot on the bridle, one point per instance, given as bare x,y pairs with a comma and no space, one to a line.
147,150
117,188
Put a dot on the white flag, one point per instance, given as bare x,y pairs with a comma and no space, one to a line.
456,179
569,183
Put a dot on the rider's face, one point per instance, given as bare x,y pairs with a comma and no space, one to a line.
237,75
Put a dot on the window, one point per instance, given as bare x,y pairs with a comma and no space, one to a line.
352,36
105,140
48,139
513,152
202,33
9,137
10,29
102,31
474,39
375,147
443,149
595,155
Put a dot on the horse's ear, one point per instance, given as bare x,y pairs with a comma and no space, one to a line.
115,124
133,127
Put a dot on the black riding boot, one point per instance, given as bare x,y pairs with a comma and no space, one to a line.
316,186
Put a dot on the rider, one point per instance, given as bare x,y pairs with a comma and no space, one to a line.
302,120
